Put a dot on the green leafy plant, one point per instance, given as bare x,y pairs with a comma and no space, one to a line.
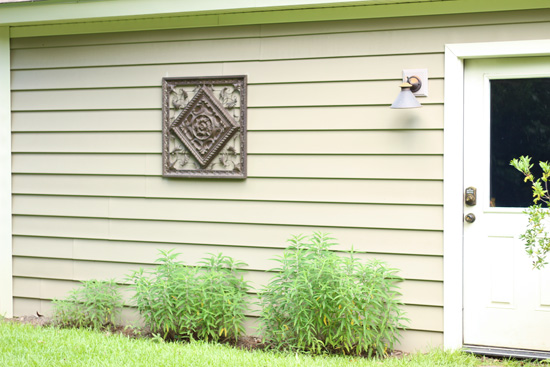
206,302
321,301
224,296
96,304
537,241
157,295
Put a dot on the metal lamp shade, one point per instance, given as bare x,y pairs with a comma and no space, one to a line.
405,98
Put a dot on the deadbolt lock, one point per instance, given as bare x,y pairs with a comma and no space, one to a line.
470,218
470,196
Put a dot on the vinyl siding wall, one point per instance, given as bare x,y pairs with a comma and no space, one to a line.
325,151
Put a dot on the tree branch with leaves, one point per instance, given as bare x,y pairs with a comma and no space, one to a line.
537,240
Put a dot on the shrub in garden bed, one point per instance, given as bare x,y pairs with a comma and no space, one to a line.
207,302
96,304
321,301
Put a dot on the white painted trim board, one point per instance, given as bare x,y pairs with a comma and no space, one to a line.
6,282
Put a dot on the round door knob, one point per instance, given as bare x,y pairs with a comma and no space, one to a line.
470,218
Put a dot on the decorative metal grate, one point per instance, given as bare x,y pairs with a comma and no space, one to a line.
204,127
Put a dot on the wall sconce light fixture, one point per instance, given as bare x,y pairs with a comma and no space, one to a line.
406,98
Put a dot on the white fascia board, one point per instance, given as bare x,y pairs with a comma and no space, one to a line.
61,11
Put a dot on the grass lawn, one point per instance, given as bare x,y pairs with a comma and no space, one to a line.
26,345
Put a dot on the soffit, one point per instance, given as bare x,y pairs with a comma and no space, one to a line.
57,17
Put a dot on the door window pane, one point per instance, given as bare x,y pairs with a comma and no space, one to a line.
520,125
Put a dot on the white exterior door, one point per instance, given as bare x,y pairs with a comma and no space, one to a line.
506,302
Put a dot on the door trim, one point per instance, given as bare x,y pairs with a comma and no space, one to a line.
453,163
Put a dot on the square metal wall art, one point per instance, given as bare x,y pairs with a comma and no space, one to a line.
204,127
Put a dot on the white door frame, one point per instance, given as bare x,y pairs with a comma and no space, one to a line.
453,175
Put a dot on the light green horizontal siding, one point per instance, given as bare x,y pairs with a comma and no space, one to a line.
421,192
135,37
425,267
52,268
49,278
388,42
224,234
259,95
420,217
55,274
325,151
257,256
280,71
318,142
47,289
375,166
361,118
